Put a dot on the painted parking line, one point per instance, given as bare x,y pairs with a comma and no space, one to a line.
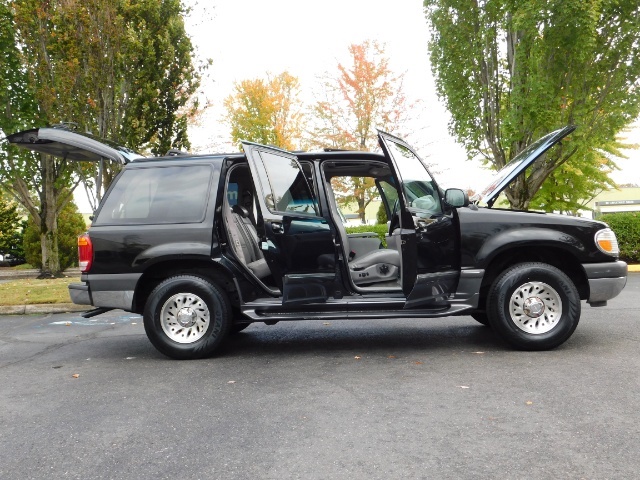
90,322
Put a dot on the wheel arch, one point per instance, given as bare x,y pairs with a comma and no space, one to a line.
160,271
553,255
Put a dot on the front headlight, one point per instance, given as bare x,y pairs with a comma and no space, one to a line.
607,242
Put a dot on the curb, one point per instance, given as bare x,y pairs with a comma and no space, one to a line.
42,308
633,268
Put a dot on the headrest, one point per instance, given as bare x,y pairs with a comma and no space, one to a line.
240,210
247,199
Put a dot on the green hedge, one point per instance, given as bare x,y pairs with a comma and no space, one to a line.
627,228
380,230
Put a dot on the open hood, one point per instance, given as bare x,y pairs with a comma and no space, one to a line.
63,143
518,165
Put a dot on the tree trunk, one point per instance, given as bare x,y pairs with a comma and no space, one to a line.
361,210
48,221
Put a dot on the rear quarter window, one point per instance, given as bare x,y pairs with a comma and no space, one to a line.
145,196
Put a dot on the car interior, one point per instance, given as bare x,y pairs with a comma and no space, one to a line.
372,265
239,214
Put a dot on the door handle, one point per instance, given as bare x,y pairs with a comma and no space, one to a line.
277,228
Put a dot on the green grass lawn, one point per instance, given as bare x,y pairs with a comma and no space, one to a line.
31,291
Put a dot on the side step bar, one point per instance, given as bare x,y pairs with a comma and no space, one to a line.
95,311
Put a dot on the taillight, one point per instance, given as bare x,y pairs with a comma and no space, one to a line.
85,252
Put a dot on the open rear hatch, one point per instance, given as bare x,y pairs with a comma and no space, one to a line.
63,143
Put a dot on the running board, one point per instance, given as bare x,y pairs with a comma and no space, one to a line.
263,312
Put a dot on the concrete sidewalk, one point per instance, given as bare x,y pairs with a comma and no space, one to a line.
43,308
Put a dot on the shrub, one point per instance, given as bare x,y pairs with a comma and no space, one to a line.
381,215
626,225
10,229
380,230
70,225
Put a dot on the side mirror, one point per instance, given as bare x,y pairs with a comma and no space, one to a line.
456,197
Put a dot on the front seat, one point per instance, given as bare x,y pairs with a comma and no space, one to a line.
381,265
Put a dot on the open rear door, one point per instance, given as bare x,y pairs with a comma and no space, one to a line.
294,238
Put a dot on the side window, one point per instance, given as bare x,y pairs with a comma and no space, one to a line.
421,192
232,194
353,195
284,185
389,197
145,196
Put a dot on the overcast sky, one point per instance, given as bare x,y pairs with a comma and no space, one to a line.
248,38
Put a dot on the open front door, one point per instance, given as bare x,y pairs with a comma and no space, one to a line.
428,229
293,235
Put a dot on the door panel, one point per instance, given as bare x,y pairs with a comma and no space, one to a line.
293,237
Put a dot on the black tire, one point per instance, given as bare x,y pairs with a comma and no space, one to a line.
533,306
196,318
481,317
238,327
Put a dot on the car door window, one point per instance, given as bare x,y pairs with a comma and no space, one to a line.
421,192
284,185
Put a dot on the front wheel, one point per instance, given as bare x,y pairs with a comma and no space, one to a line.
533,306
187,317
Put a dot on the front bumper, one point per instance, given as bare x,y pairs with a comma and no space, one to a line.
606,281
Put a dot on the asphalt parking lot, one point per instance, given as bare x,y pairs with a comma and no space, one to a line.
87,399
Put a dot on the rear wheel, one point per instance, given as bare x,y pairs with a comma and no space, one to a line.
187,317
533,306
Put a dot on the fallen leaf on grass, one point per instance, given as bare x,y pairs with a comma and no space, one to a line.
75,375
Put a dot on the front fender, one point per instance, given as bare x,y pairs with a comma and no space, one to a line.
524,237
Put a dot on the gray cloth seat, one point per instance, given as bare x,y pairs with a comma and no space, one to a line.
244,237
381,265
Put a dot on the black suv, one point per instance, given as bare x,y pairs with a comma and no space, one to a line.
204,245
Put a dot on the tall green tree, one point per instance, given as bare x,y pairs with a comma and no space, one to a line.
364,95
511,71
118,69
267,111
